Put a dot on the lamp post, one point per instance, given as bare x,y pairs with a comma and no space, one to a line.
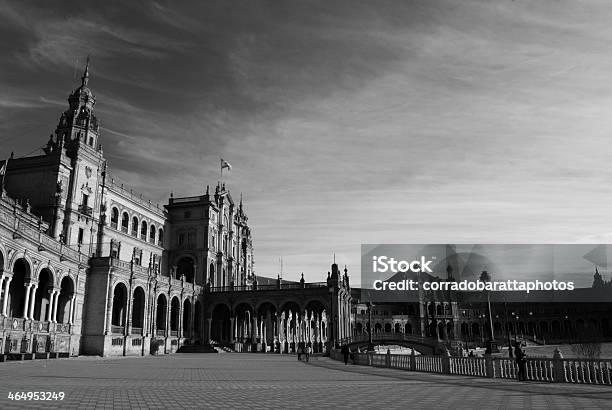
507,330
491,344
370,342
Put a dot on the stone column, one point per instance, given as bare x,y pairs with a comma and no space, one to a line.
7,284
26,305
232,329
72,304
50,305
168,311
32,302
209,322
254,326
109,306
57,293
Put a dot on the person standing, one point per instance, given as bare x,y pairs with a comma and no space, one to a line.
308,351
345,353
521,362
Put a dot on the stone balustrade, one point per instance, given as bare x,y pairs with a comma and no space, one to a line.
553,370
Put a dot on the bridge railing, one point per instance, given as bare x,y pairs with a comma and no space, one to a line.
388,337
554,370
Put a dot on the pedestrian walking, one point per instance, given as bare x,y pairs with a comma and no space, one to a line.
299,351
308,351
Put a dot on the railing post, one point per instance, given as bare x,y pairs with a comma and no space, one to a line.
558,367
412,361
489,369
388,358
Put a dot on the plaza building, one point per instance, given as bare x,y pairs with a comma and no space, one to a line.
454,318
88,266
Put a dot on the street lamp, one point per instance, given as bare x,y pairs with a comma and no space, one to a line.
370,342
491,344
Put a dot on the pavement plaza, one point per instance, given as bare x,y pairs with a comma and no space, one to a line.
271,381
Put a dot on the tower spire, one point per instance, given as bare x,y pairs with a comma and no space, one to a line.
85,78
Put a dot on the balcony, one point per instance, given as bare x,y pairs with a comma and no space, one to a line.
117,329
160,332
86,210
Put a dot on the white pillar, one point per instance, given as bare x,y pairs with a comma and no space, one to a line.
55,300
50,306
6,296
32,301
26,305
70,315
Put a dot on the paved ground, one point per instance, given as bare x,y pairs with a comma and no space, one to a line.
272,381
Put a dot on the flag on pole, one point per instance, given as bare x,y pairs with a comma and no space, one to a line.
225,164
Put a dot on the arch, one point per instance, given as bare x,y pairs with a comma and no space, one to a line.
160,237
114,217
185,267
387,327
377,328
152,234
43,294
143,230
290,305
475,329
544,327
186,318
408,328
439,311
315,305
125,222
398,328
175,308
264,307
449,330
63,301
244,314
135,226
359,328
220,326
17,288
22,263
138,308
160,312
119,304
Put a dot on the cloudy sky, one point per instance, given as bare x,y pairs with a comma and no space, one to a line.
346,122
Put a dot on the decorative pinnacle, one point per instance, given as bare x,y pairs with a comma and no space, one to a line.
85,78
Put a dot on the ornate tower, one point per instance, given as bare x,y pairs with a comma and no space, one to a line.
78,192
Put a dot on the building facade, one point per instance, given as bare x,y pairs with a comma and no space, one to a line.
90,267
